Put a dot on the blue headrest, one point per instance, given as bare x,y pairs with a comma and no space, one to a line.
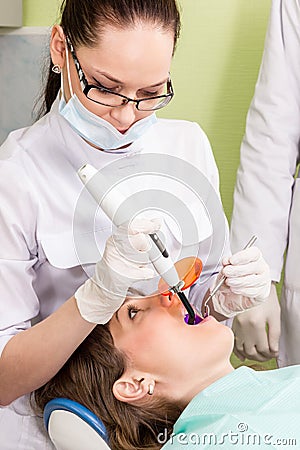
81,411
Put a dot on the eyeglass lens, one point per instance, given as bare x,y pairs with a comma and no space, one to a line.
111,99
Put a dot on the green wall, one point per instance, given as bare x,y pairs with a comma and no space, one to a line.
37,13
214,70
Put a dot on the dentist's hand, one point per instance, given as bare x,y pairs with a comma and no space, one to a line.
124,261
247,283
252,339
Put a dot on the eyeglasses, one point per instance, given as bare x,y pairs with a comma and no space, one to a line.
106,97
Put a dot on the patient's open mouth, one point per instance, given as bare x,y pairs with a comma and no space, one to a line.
197,320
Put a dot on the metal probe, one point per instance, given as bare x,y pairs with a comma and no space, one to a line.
217,287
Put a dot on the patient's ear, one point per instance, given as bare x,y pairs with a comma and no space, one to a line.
130,389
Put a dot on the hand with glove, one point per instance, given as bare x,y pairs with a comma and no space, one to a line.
125,260
252,339
247,283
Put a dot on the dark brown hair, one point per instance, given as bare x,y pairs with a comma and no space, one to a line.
88,377
82,22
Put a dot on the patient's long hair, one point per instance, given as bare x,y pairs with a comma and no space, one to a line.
88,377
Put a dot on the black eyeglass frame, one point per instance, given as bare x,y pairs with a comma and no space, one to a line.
86,87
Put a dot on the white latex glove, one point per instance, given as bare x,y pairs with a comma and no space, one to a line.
124,262
247,283
252,339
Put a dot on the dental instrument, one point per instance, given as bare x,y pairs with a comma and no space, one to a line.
219,284
110,200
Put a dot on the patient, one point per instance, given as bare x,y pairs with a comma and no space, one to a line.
147,367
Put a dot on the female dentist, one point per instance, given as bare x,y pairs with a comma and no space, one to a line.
109,72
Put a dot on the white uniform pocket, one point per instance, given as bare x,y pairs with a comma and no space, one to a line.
67,250
65,263
292,267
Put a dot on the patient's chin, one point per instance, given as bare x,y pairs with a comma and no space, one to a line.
222,341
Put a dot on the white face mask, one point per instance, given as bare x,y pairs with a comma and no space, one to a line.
96,130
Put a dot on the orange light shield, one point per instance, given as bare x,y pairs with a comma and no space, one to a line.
188,269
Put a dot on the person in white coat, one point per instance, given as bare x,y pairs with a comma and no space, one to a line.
109,72
267,191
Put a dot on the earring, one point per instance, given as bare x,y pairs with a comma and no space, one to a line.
151,389
56,68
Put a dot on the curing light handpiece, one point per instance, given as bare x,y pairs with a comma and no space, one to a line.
110,200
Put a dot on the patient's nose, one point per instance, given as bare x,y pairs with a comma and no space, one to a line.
170,300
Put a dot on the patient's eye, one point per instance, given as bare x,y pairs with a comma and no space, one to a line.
132,311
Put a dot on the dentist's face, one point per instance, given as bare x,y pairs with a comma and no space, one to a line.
181,358
132,62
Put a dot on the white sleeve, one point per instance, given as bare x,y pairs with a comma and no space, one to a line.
18,250
270,147
211,252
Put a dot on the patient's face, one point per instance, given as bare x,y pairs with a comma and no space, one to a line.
182,358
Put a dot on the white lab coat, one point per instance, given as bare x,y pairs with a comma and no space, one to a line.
39,266
266,198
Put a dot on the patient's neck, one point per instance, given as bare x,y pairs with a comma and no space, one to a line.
204,382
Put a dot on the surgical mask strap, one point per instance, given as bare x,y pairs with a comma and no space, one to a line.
68,70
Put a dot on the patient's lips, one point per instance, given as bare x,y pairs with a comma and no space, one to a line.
206,319
198,319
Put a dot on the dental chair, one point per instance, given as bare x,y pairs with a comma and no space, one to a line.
71,426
